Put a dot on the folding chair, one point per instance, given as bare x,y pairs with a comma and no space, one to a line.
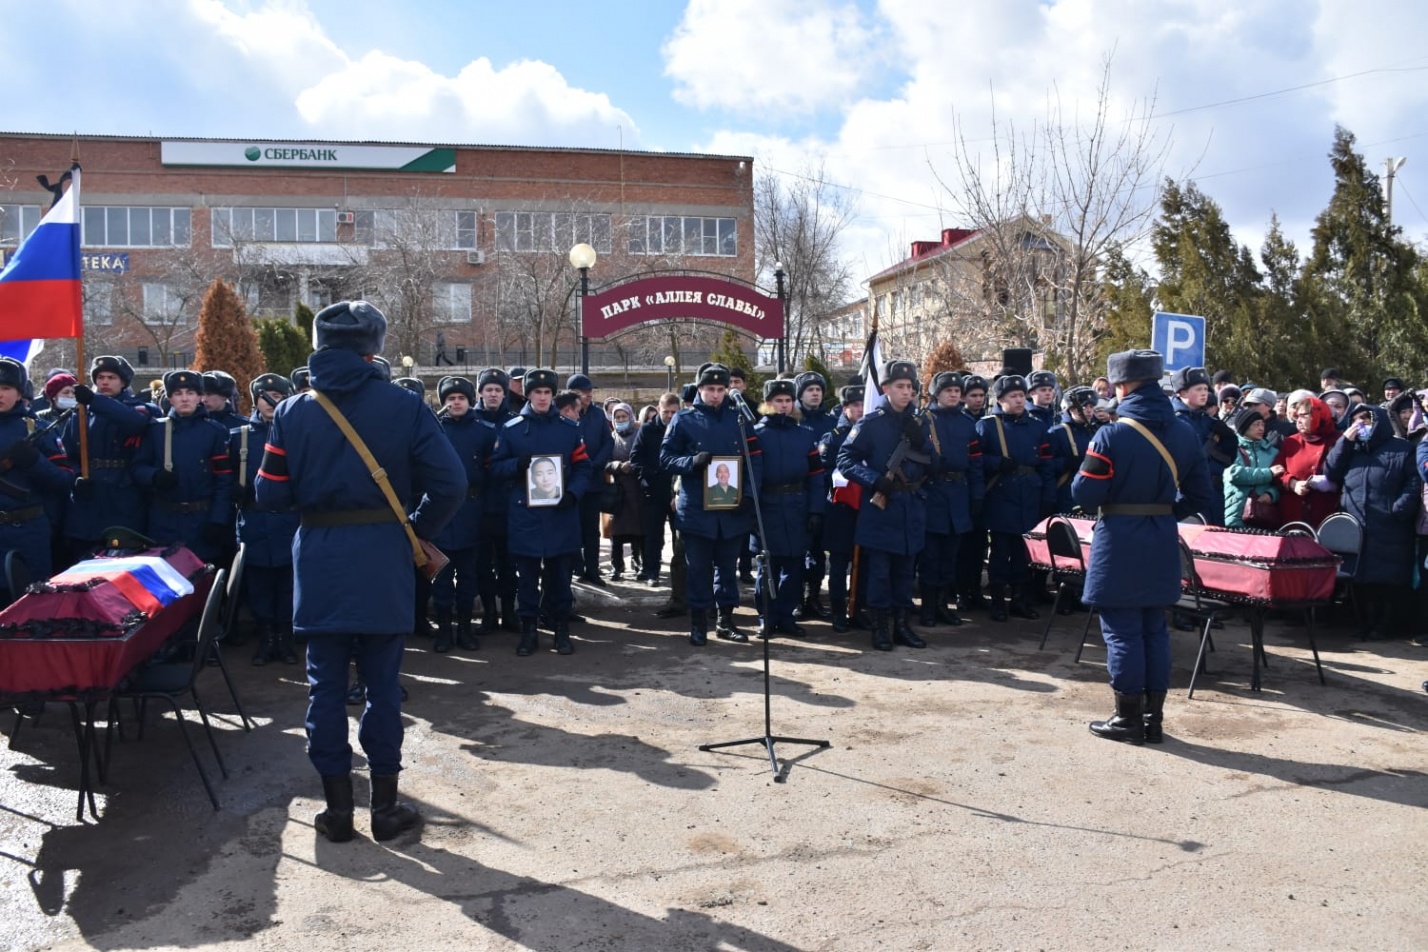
172,680
1068,572
1297,529
1343,535
1194,519
232,596
1194,604
17,574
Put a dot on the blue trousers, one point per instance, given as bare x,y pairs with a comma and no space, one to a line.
379,664
268,592
1137,648
1008,563
590,534
971,555
455,585
495,572
889,580
713,571
816,563
543,583
655,514
787,571
939,559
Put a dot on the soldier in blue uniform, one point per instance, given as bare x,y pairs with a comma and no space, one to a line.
300,378
29,475
220,399
954,492
1041,397
892,534
1020,490
1069,439
455,588
495,570
117,421
599,446
1134,572
972,549
265,534
819,416
792,496
184,462
712,538
353,586
545,539
1218,442
840,520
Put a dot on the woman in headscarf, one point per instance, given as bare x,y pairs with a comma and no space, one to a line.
623,527
1306,494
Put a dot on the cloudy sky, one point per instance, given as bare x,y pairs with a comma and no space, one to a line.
1246,92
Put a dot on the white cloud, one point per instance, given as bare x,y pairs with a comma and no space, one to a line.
753,56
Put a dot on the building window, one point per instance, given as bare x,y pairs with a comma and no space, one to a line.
161,304
17,221
136,226
451,302
683,235
98,303
551,231
466,230
282,225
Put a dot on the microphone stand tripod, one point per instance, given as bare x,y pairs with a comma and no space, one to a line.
768,739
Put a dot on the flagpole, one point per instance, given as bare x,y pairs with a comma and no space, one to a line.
79,360
854,590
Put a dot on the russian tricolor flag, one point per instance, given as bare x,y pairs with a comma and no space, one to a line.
40,293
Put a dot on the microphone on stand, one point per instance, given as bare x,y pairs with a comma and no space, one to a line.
743,407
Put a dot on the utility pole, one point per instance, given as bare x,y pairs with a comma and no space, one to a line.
1390,168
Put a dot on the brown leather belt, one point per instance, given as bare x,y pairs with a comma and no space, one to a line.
201,505
18,517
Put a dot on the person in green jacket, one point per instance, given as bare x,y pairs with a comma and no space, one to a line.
1253,471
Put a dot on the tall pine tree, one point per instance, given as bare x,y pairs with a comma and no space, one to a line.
226,339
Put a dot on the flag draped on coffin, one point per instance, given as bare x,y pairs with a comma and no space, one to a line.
40,292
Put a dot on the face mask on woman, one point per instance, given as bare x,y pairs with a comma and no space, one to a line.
66,403
624,428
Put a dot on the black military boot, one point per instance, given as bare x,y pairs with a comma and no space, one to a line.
285,651
1155,717
390,818
997,604
927,612
1021,603
840,615
972,600
443,632
267,646
490,620
530,641
698,628
1127,724
879,621
945,614
813,606
903,633
465,637
335,822
562,637
510,621
727,628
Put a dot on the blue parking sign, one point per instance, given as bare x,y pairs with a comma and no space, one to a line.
1180,339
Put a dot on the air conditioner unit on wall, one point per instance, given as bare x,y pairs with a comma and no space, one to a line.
346,218
475,257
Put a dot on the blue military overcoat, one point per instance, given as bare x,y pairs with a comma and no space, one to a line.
791,484
357,579
541,531
901,528
198,452
495,493
473,442
840,520
1135,559
266,534
957,484
116,430
1069,441
707,429
25,492
1016,500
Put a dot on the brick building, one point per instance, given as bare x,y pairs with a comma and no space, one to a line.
465,246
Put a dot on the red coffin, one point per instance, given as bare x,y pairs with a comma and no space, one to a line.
1246,565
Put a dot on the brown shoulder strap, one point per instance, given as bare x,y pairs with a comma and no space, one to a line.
379,475
1159,447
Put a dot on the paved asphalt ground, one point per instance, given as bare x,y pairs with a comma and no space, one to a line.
962,804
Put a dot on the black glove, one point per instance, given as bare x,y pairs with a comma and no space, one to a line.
567,501
22,454
700,462
523,464
912,430
1008,465
215,533
884,485
815,523
83,487
165,479
83,395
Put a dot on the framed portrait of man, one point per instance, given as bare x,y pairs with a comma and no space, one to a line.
545,481
722,489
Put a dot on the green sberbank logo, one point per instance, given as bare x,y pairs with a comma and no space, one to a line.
252,153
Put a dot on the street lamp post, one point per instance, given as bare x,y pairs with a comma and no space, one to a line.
783,338
582,256
669,374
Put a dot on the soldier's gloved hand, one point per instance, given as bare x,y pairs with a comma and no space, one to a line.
884,485
83,487
165,479
815,523
567,501
22,454
83,395
1008,465
523,464
700,462
215,533
912,430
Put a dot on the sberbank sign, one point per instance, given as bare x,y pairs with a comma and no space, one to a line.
308,155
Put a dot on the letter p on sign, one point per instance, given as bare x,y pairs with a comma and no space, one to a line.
1180,339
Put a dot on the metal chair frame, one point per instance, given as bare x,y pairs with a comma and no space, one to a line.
1063,543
